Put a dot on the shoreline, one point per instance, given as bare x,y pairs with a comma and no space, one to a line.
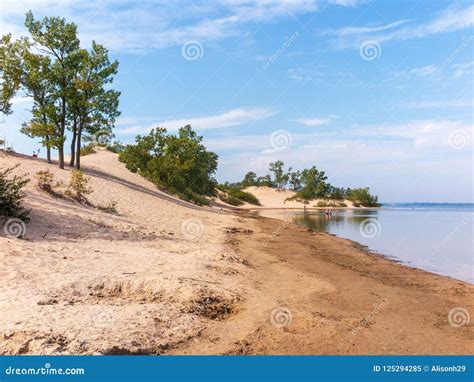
331,286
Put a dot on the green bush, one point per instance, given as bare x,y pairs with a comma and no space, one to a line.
88,149
236,193
179,164
244,196
78,186
229,199
12,195
362,197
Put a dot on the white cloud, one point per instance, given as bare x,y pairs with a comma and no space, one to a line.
317,121
234,117
436,104
136,27
21,100
452,19
346,3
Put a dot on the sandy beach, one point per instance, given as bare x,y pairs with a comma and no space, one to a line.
164,276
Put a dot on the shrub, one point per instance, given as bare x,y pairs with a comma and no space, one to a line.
45,181
232,200
78,186
12,195
363,197
244,196
88,149
180,163
116,147
341,204
110,208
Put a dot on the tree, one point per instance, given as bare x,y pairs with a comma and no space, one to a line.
295,180
313,184
57,39
9,72
279,174
178,163
93,108
36,81
362,196
250,179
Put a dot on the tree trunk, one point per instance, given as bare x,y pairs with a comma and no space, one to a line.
62,130
48,149
61,156
78,148
73,146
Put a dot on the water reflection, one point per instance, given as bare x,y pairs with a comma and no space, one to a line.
321,222
439,239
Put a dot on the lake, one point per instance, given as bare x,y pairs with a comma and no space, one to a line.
434,237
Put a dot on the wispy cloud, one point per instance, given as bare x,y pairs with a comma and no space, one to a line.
234,117
317,121
136,27
451,19
436,104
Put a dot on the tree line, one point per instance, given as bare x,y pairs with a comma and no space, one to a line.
308,184
69,85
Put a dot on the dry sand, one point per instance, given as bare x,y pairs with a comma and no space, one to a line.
270,198
165,276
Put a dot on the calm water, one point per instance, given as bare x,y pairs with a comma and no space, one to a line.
434,237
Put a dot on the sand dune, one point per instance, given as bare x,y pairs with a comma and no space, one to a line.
85,281
273,198
165,276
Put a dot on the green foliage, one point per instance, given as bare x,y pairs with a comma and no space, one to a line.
233,193
295,180
9,72
70,86
232,200
12,195
177,163
116,147
362,196
45,181
87,149
244,196
250,179
78,186
313,184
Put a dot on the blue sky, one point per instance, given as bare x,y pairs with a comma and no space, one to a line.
376,93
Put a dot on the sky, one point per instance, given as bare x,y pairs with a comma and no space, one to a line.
378,94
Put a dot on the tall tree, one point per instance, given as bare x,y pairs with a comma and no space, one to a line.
36,81
93,107
56,38
279,174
